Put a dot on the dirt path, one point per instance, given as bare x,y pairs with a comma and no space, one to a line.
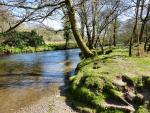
49,104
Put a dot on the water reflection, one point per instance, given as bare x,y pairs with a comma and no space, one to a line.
40,69
32,75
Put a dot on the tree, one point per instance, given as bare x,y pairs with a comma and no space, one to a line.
134,28
67,31
33,15
141,18
144,19
5,19
21,39
114,31
73,21
96,16
147,36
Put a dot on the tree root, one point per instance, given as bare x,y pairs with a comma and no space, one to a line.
127,108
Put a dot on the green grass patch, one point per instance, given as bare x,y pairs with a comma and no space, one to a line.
49,47
95,86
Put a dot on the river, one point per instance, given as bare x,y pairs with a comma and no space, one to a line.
26,78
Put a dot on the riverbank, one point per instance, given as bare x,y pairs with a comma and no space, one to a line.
51,46
54,103
32,81
112,83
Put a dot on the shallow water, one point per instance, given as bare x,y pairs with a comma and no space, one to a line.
26,78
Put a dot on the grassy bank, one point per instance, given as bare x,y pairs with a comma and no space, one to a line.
47,47
112,83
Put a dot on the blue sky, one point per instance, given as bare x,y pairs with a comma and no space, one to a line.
55,23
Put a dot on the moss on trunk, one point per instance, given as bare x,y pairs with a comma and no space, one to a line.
77,36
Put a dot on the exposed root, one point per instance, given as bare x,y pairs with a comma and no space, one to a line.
127,108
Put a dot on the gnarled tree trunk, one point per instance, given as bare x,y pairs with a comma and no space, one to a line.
78,38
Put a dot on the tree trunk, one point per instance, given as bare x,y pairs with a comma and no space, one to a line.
141,32
101,45
147,38
140,37
67,42
146,42
94,21
93,24
134,28
85,21
144,21
78,38
82,29
114,33
88,36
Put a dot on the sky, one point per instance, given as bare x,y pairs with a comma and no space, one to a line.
55,24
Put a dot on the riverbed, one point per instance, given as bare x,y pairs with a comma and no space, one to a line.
26,79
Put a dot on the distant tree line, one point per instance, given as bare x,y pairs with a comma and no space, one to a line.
22,39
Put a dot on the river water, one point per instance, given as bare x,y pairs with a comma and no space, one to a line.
26,78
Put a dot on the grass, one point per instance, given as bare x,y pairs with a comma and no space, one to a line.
94,85
142,109
47,47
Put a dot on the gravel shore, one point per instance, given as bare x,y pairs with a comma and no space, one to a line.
49,104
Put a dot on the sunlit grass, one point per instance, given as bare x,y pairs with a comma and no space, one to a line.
47,47
95,78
